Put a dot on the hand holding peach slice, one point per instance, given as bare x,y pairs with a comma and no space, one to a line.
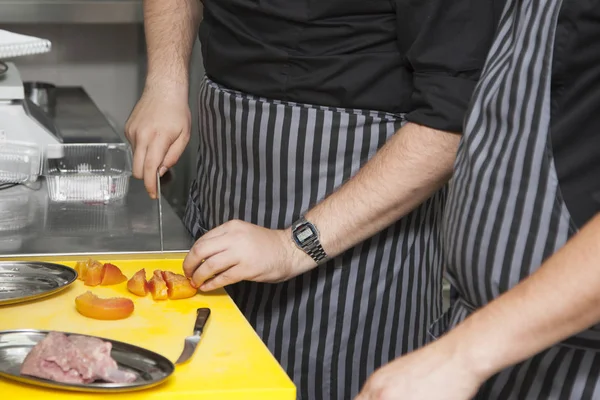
92,306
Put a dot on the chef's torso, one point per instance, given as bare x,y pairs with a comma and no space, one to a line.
328,52
528,169
350,54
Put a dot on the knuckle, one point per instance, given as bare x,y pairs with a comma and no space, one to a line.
227,274
210,266
385,394
224,278
377,391
187,270
197,278
377,382
231,225
150,167
145,133
235,236
197,250
237,223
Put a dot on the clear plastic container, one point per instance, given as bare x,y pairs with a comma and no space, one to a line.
89,173
19,162
18,209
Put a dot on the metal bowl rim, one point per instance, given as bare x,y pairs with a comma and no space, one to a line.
47,293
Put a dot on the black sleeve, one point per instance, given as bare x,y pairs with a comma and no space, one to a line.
446,43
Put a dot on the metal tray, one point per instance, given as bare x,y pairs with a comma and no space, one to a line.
151,368
24,281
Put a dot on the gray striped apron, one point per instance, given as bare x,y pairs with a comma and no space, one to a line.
505,214
266,162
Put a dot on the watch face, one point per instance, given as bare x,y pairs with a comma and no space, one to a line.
304,234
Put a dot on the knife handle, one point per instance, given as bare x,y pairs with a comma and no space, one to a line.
201,318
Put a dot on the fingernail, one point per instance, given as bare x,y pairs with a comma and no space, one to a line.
162,170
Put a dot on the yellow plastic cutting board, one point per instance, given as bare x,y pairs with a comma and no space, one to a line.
230,363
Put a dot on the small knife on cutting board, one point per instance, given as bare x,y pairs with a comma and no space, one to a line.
192,341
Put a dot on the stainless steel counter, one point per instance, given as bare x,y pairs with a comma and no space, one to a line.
71,11
79,119
30,224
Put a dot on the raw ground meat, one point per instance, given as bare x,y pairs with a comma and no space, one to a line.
74,359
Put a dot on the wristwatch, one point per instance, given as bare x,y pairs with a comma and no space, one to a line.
306,237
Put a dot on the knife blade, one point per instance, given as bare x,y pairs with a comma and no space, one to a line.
160,216
191,342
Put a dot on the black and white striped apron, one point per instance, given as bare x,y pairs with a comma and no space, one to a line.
267,162
505,214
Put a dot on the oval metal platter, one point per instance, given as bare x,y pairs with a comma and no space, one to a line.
25,281
151,368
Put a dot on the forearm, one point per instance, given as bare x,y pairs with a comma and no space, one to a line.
413,164
171,28
556,302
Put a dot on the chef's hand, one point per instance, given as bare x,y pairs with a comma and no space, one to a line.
239,251
158,130
431,373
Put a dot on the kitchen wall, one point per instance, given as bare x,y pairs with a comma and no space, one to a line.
109,62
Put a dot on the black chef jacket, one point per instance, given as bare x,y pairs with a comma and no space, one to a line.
575,106
419,57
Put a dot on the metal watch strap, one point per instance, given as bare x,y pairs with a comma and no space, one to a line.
314,249
316,252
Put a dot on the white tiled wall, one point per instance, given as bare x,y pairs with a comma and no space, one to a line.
104,59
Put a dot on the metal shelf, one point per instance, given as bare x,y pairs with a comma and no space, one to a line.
71,11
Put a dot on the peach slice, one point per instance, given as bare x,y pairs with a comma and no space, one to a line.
93,274
92,306
79,267
112,275
82,266
178,286
158,286
138,284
